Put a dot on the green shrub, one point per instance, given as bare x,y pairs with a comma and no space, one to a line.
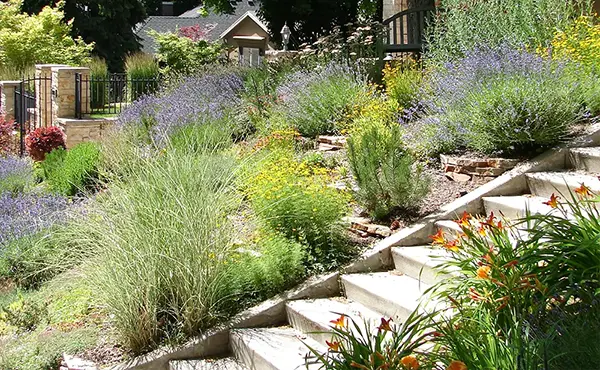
142,75
402,82
458,27
294,199
388,177
184,55
268,267
70,172
99,82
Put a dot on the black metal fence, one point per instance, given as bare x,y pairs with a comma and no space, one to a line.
33,108
110,94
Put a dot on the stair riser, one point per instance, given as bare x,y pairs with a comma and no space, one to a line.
314,330
584,161
247,357
375,303
416,269
545,189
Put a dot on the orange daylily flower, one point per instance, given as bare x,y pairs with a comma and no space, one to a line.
410,363
385,324
452,245
333,346
438,238
490,220
464,220
484,272
457,365
553,202
583,191
340,322
481,230
474,295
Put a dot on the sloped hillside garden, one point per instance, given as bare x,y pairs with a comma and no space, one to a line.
230,185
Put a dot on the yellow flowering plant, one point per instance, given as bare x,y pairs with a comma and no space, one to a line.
579,42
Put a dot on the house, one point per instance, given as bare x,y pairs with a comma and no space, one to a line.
246,34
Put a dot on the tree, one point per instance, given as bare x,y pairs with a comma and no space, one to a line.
109,24
42,38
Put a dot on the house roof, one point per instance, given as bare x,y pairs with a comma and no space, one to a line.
218,22
249,14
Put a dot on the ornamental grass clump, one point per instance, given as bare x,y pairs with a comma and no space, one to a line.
314,101
142,75
74,171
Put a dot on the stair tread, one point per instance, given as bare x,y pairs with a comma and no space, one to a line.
281,348
227,363
591,151
322,311
545,183
400,293
517,205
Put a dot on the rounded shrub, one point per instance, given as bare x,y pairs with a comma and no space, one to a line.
43,140
70,172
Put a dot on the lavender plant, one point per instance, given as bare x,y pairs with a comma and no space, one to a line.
460,25
191,100
313,101
23,215
495,100
15,174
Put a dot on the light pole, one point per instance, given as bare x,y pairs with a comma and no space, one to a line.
285,36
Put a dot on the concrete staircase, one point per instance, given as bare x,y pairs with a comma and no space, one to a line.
394,293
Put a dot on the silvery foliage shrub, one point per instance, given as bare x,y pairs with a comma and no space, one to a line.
191,100
494,100
313,101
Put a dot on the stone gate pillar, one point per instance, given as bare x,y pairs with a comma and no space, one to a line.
63,91
7,98
43,94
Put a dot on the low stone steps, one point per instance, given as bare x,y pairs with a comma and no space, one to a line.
314,316
389,293
517,206
586,159
544,184
419,262
228,363
273,348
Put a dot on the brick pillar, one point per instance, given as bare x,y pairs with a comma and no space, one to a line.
7,98
43,94
63,89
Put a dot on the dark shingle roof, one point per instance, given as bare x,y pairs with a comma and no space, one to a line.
191,18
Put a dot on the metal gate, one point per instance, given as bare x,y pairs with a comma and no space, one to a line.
33,104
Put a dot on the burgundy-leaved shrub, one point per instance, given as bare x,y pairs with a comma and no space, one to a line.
43,140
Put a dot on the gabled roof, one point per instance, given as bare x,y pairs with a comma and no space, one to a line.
249,14
221,23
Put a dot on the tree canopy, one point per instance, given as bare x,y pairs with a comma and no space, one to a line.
109,24
41,38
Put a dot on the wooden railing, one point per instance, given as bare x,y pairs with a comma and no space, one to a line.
406,30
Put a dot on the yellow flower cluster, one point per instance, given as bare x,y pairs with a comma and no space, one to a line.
580,42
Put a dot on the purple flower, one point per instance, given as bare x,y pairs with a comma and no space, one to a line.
15,173
193,100
26,214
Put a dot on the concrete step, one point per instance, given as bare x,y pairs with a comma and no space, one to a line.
449,227
388,293
543,184
420,262
273,348
586,159
516,207
228,363
313,317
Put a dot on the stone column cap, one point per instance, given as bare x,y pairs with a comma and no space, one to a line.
68,68
10,83
42,66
